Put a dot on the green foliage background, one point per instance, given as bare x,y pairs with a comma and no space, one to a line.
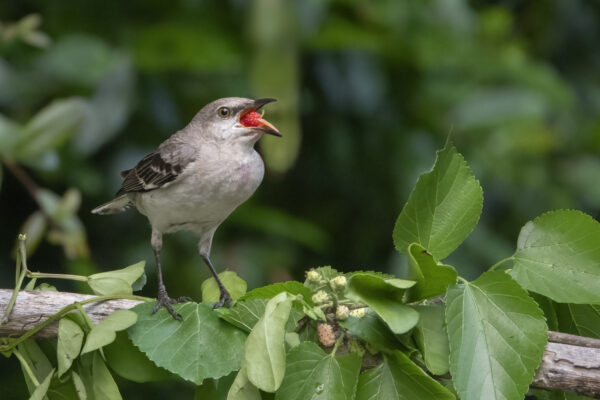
367,91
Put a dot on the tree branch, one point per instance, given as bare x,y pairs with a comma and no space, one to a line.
570,363
35,306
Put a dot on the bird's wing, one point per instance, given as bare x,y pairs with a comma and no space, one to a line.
156,169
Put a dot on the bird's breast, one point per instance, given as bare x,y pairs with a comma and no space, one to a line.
208,191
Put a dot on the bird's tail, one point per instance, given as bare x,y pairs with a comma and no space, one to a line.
114,206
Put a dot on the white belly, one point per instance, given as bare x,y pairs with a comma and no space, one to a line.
208,191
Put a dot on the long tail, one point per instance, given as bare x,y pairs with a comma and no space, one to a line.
114,206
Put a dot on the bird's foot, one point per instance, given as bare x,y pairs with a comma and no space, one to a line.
224,300
165,301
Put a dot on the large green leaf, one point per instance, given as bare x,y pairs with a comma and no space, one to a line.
432,339
270,291
201,346
235,285
215,389
36,360
96,378
242,388
398,378
443,208
497,336
245,313
372,330
129,362
105,331
558,255
432,277
116,282
70,337
312,374
579,319
40,391
265,346
49,128
384,296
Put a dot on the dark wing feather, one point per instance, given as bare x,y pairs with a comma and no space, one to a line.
152,172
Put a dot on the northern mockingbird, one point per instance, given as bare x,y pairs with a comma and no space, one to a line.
196,178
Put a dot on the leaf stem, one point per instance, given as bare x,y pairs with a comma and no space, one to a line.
21,268
26,367
63,311
463,280
81,278
337,343
510,258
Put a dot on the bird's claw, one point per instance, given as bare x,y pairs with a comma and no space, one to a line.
165,301
224,300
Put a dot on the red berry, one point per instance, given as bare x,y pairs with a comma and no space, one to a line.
251,119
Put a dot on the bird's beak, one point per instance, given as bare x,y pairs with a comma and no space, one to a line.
250,119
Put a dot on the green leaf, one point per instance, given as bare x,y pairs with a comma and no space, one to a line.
313,374
398,378
443,208
244,314
235,285
9,135
215,389
40,391
558,255
242,388
79,386
199,347
497,337
292,339
548,307
105,331
372,330
432,339
70,337
130,363
433,278
327,272
36,360
34,228
265,346
579,319
384,296
49,128
270,291
116,282
96,378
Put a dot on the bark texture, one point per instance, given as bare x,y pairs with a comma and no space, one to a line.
570,363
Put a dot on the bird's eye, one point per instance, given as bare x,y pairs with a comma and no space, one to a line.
224,112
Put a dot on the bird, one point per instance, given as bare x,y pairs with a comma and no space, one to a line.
195,179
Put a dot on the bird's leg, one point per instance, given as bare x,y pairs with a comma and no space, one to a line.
224,298
163,299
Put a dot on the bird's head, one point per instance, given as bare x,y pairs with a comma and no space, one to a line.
234,119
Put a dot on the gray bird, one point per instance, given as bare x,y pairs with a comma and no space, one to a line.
196,178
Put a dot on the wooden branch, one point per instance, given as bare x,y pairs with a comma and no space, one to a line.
570,363
35,306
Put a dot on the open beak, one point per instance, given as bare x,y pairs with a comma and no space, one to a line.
250,118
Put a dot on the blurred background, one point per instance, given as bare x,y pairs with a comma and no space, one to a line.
367,91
